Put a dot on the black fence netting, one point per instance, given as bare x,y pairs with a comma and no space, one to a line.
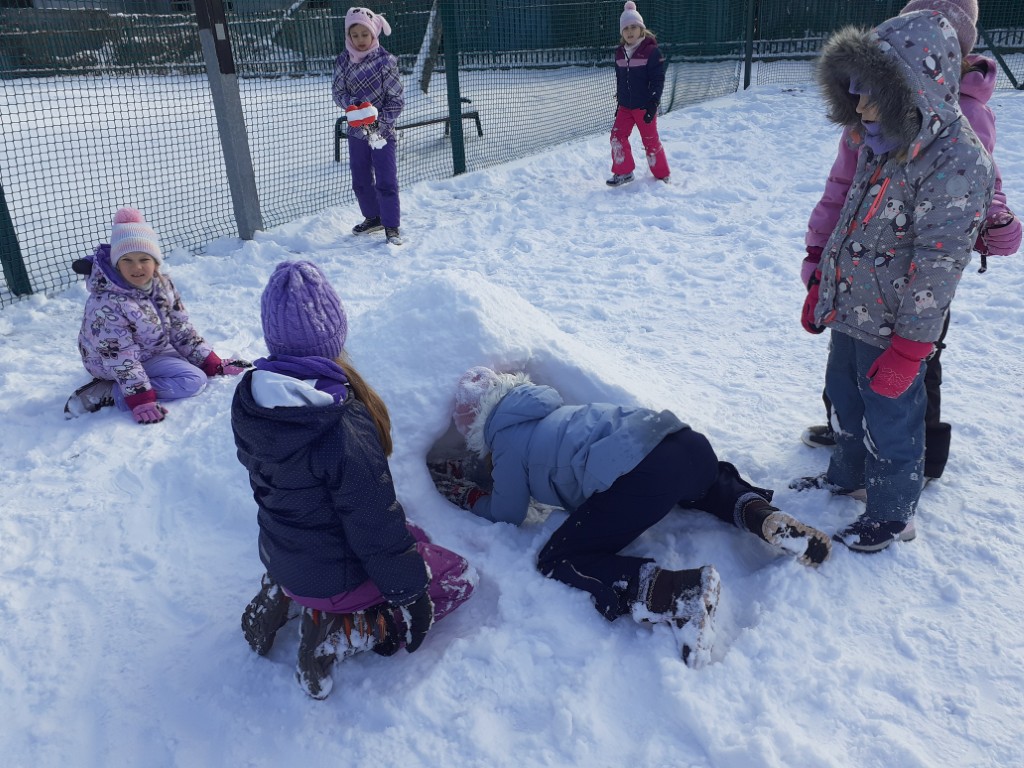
787,36
97,110
106,103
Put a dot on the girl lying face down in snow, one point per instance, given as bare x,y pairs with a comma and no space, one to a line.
617,470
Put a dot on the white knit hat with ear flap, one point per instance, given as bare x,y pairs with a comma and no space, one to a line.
630,15
131,234
472,386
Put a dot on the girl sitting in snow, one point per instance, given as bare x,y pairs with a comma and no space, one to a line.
617,471
136,338
368,87
639,80
333,537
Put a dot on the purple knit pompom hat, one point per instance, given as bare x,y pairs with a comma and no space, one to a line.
961,14
302,315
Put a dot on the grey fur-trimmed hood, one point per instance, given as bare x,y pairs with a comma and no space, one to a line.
911,67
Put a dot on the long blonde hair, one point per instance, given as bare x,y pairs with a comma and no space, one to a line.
647,33
367,396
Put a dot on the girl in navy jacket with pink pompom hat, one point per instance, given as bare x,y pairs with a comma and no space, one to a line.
639,80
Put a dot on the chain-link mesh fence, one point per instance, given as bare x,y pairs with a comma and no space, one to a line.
107,107
98,110
787,36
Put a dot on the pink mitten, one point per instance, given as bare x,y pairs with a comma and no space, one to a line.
234,367
214,366
144,407
149,413
895,369
1000,235
807,314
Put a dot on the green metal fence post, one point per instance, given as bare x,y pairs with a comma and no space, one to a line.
10,252
748,53
450,24
227,104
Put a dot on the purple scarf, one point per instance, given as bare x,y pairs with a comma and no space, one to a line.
873,136
330,377
876,140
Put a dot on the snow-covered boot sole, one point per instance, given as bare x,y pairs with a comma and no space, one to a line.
266,613
694,626
811,546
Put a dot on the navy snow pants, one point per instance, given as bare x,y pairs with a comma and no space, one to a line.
682,469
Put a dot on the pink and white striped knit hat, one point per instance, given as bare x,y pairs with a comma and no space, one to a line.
131,234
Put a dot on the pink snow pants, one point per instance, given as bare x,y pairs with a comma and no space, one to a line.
622,154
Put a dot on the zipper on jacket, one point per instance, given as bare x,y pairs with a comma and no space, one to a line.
878,201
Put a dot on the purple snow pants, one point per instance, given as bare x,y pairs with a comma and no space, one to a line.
375,180
172,376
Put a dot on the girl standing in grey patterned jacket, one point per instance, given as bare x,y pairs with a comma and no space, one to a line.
366,74
890,269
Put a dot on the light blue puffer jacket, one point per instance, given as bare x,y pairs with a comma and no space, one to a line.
561,454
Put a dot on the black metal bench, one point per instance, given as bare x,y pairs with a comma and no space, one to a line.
474,115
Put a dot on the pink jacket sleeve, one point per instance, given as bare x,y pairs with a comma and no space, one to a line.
826,213
983,122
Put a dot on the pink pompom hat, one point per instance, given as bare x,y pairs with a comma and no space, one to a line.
131,234
630,15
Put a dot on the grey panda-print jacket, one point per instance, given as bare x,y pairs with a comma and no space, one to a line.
911,216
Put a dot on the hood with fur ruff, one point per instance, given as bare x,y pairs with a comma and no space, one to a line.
910,66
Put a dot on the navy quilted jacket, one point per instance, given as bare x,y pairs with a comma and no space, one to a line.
640,78
328,515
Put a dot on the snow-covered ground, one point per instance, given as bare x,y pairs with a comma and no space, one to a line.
127,553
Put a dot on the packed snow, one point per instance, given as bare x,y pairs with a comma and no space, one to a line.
127,553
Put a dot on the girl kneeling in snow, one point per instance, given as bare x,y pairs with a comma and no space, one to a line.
136,337
617,471
333,537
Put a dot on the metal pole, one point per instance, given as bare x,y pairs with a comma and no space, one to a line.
10,252
451,72
748,54
227,103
